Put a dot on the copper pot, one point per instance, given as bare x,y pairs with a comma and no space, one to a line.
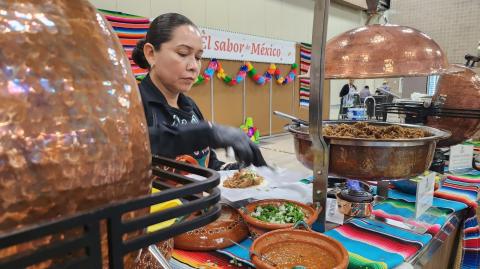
354,209
73,133
458,89
379,51
368,159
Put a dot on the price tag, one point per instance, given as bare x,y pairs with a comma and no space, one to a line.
332,213
460,157
424,197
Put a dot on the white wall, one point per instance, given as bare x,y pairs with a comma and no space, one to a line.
282,19
454,25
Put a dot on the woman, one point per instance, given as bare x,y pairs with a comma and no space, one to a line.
347,98
171,52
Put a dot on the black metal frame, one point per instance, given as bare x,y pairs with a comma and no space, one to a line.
191,192
421,111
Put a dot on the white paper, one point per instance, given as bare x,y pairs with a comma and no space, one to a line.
280,184
332,213
424,197
460,157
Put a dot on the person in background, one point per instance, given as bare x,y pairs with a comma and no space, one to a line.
172,51
346,97
384,89
365,92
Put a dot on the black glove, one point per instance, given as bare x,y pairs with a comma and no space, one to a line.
245,150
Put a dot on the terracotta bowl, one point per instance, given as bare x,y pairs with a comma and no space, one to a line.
288,248
216,235
258,227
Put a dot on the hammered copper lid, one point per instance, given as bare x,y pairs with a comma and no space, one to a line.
375,51
459,88
73,134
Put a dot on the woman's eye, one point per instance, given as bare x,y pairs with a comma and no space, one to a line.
182,54
198,58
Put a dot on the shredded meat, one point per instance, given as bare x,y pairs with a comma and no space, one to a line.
365,130
243,179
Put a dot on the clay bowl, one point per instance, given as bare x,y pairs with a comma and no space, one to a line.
288,248
216,235
258,227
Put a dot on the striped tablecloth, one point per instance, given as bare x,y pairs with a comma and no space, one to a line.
375,245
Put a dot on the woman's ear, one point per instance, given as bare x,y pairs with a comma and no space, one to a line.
149,52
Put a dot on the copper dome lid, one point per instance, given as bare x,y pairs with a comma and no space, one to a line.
458,88
375,51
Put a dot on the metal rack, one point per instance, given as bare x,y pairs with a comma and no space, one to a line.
420,111
89,241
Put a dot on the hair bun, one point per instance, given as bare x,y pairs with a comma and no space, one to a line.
138,56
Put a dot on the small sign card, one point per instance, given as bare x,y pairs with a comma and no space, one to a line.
332,213
424,197
461,157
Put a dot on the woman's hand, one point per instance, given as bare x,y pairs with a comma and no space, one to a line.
245,150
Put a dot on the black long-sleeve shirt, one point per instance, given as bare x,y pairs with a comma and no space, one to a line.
177,131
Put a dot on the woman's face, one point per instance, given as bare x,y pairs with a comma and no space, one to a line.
177,64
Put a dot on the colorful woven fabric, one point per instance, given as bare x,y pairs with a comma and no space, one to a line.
466,188
238,253
305,55
129,29
373,244
188,259
458,192
123,17
404,211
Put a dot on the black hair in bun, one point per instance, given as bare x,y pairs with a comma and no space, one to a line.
160,31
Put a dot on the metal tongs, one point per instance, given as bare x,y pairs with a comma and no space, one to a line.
290,117
159,256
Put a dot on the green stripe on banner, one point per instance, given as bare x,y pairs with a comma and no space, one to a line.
120,14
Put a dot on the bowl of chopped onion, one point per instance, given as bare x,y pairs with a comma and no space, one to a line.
271,214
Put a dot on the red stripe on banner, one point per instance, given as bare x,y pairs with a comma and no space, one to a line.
304,65
472,230
471,243
131,25
128,42
127,20
306,51
131,36
378,240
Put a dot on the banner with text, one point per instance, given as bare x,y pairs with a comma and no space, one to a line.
234,46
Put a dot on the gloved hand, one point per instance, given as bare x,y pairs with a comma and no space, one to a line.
245,150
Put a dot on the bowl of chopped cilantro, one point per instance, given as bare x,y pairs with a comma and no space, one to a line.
271,214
